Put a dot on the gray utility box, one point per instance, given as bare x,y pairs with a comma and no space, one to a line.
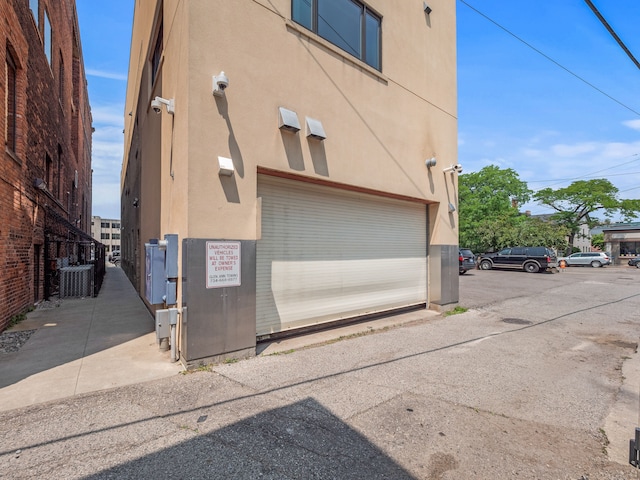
155,279
163,329
161,270
219,290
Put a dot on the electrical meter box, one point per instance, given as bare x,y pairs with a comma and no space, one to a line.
163,324
155,280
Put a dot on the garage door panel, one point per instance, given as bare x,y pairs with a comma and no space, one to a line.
327,254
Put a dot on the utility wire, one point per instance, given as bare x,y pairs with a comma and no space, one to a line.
549,58
612,32
561,180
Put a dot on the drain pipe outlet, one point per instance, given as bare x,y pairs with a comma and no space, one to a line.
173,322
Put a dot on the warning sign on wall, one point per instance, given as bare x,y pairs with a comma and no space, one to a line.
223,264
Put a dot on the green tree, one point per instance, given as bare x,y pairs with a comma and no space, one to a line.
597,240
512,230
575,204
490,196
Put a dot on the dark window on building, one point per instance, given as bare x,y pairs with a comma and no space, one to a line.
58,180
11,115
48,171
48,46
348,24
157,55
115,236
104,224
115,225
629,248
104,236
61,79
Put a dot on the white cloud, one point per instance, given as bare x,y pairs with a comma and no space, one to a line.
103,74
107,154
634,124
620,151
108,115
531,152
106,199
564,150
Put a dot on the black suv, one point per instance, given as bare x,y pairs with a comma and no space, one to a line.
466,259
529,259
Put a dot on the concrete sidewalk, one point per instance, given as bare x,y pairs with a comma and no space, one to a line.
84,345
91,344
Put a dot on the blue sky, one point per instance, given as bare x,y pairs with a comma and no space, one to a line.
553,122
517,109
105,33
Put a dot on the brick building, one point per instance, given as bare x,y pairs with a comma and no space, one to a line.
45,165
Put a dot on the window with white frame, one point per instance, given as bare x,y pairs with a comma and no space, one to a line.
348,24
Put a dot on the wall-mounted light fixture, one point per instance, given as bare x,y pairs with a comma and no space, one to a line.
288,120
430,162
427,8
40,184
457,168
226,166
452,207
220,84
136,202
315,129
157,103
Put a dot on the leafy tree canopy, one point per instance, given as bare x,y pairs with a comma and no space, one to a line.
485,196
512,230
575,204
597,240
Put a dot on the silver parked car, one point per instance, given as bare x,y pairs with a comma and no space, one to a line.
584,259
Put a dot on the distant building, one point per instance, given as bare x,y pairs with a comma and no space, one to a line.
107,232
289,146
622,240
582,239
45,164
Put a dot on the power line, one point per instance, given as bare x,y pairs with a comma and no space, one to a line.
612,32
562,180
549,58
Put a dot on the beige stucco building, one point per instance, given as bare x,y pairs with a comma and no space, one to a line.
300,194
107,232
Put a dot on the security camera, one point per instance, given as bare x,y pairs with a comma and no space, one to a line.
220,84
457,168
157,106
157,103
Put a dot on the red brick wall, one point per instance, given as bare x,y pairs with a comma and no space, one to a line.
54,121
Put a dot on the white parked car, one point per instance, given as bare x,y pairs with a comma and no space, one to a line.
584,259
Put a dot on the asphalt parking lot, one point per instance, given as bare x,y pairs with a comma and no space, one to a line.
499,285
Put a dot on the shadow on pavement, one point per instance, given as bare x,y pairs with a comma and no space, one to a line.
301,440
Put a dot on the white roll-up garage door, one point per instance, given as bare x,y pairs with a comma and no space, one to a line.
327,254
